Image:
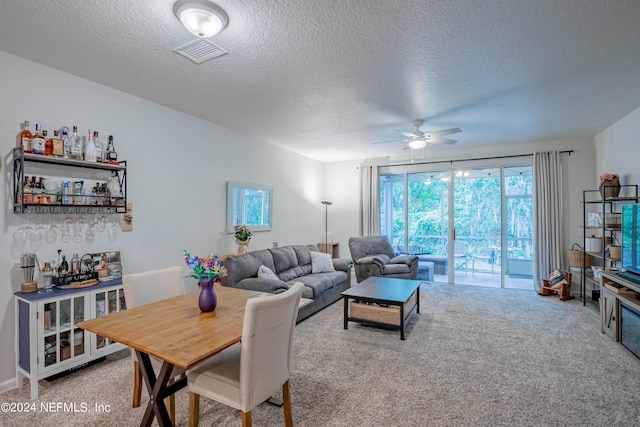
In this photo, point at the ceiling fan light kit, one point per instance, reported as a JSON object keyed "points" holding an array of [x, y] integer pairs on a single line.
{"points": [[201, 18], [417, 144]]}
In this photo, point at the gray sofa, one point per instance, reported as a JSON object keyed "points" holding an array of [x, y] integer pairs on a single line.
{"points": [[291, 264]]}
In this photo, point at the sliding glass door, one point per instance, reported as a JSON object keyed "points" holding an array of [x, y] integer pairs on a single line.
{"points": [[468, 226], [477, 225]]}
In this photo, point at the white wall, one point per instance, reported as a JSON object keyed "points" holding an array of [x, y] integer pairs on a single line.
{"points": [[178, 166], [617, 149]]}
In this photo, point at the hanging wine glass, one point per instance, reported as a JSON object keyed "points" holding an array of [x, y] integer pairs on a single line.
{"points": [[65, 235], [19, 238], [35, 240], [101, 223], [51, 235], [78, 227], [90, 234], [112, 234]]}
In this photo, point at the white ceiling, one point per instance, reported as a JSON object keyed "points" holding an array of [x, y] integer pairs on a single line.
{"points": [[326, 78]]}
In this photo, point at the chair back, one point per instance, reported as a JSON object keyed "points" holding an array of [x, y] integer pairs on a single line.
{"points": [[267, 336], [364, 246], [461, 248], [151, 286]]}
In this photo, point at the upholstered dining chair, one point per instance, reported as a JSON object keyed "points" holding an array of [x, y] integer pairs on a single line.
{"points": [[144, 288], [248, 373]]}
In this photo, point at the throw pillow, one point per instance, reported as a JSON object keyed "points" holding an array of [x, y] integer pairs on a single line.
{"points": [[321, 263], [265, 272], [556, 280]]}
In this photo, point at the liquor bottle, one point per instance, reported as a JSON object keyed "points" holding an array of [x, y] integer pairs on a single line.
{"points": [[48, 144], [66, 141], [90, 149], [99, 147], [57, 144], [24, 137], [27, 196], [64, 267], [65, 193], [39, 191], [37, 142], [75, 144], [112, 155]]}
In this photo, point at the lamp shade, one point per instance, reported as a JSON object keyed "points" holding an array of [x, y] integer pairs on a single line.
{"points": [[201, 18]]}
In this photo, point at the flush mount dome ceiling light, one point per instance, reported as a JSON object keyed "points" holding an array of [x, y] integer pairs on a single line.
{"points": [[201, 18]]}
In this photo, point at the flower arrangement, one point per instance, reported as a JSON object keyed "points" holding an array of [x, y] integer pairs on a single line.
{"points": [[205, 268], [608, 177], [242, 233]]}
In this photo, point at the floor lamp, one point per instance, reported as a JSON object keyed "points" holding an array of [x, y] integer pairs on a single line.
{"points": [[326, 224]]}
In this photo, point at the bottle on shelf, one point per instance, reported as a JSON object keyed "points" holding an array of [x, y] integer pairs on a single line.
{"points": [[48, 144], [39, 192], [99, 147], [66, 142], [27, 192], [57, 142], [114, 190], [75, 264], [75, 144], [90, 148], [25, 137], [65, 193], [112, 155], [37, 142]]}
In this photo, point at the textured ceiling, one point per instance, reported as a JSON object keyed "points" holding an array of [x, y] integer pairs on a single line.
{"points": [[326, 78]]}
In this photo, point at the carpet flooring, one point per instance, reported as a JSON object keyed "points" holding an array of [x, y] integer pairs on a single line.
{"points": [[474, 356]]}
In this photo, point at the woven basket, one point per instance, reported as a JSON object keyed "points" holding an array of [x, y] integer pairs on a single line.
{"points": [[578, 257]]}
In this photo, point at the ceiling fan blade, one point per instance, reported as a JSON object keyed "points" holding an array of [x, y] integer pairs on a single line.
{"points": [[410, 134], [445, 131], [391, 140], [439, 140]]}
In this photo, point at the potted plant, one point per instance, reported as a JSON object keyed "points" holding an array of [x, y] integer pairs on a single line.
{"points": [[609, 185], [243, 234]]}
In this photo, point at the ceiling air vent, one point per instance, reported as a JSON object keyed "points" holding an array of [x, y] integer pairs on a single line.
{"points": [[200, 50]]}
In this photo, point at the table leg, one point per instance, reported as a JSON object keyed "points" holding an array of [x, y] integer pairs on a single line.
{"points": [[158, 390], [346, 312], [402, 321], [418, 300]]}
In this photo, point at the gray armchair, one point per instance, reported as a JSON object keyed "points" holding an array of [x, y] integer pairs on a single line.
{"points": [[374, 256]]}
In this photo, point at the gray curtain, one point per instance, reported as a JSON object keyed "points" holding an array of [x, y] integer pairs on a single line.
{"points": [[369, 215], [547, 207]]}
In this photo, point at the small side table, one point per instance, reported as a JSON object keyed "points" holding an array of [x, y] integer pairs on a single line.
{"points": [[332, 248]]}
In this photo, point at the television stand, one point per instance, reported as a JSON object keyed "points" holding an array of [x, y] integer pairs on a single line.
{"points": [[621, 299], [631, 277]]}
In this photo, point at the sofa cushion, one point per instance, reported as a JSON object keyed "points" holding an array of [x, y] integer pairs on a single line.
{"points": [[320, 282], [263, 285], [242, 266], [321, 263], [284, 258], [265, 272]]}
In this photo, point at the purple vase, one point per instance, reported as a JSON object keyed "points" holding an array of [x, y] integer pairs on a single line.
{"points": [[208, 300]]}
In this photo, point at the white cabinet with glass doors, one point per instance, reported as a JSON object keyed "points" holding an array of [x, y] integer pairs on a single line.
{"points": [[47, 339]]}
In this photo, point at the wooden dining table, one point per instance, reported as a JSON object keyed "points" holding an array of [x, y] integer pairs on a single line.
{"points": [[175, 331]]}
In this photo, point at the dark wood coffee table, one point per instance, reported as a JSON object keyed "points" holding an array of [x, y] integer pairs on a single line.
{"points": [[382, 301]]}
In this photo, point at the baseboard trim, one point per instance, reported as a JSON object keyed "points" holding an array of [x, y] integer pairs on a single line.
{"points": [[7, 385]]}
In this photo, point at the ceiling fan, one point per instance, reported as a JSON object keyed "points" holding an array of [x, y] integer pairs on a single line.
{"points": [[418, 139]]}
